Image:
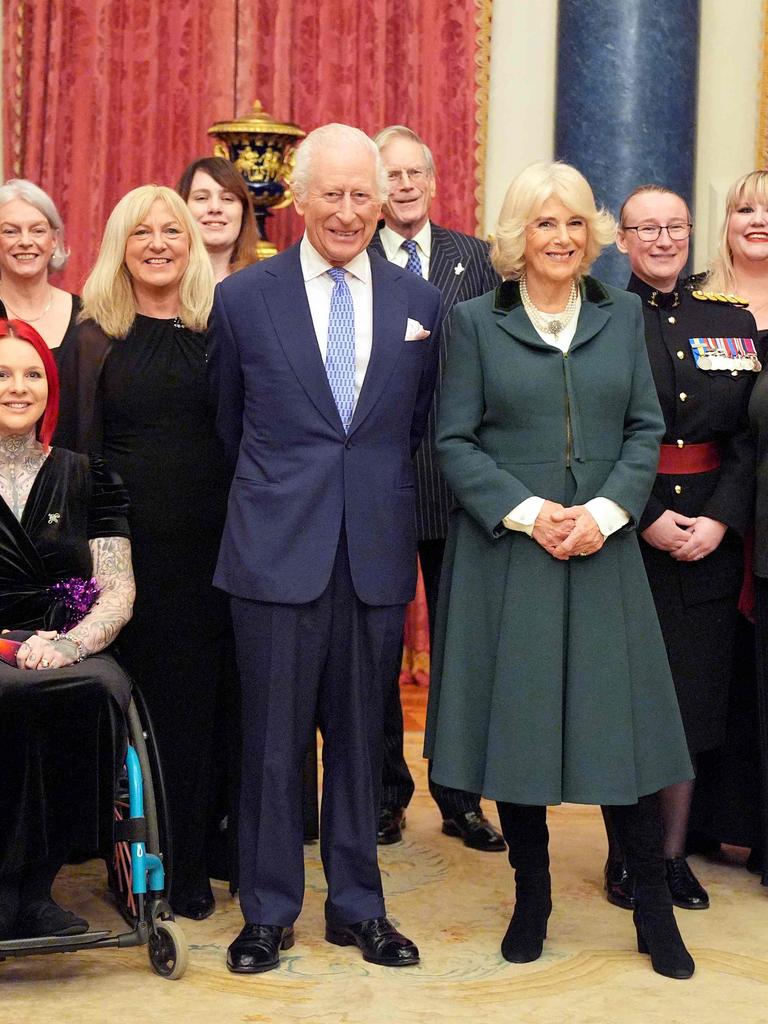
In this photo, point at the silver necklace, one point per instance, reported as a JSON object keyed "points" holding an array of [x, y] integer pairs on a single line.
{"points": [[29, 319], [540, 319]]}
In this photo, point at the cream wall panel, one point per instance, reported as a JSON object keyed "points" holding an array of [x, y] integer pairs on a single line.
{"points": [[729, 102], [521, 120]]}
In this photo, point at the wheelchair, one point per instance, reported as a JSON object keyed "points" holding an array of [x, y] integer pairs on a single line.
{"points": [[138, 873]]}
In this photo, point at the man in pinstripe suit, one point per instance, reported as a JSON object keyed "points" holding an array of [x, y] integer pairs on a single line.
{"points": [[458, 265]]}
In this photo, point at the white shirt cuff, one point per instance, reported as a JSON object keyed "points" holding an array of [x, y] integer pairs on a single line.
{"points": [[523, 516], [609, 516]]}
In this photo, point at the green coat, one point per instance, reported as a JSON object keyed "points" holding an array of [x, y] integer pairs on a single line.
{"points": [[550, 679]]}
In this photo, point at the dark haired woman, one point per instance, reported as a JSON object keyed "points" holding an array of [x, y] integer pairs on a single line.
{"points": [[218, 200]]}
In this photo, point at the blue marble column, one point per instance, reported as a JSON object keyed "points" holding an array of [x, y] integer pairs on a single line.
{"points": [[626, 99]]}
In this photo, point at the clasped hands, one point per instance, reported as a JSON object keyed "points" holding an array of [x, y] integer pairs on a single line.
{"points": [[685, 538], [41, 652], [564, 532]]}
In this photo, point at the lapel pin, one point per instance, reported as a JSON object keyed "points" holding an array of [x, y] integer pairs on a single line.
{"points": [[53, 517], [458, 269]]}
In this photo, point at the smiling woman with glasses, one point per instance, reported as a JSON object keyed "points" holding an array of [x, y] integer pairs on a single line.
{"points": [[703, 357]]}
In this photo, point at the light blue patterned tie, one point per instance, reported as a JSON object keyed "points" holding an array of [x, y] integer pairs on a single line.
{"points": [[414, 263], [340, 354]]}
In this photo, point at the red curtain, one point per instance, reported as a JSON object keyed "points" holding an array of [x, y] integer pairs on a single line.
{"points": [[101, 95]]}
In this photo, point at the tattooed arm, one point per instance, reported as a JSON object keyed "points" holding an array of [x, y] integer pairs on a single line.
{"points": [[114, 574], [114, 605]]}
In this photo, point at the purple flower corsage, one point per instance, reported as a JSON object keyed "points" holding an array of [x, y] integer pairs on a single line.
{"points": [[77, 595]]}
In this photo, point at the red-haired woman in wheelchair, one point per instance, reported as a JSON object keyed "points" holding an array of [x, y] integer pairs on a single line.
{"points": [[66, 590]]}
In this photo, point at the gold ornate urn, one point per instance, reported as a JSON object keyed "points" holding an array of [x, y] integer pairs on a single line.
{"points": [[263, 151]]}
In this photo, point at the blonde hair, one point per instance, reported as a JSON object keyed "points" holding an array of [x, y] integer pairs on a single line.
{"points": [[525, 197], [108, 293], [752, 187]]}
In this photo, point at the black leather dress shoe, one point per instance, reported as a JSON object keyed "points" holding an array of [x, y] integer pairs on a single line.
{"points": [[476, 831], [257, 948], [619, 887], [43, 917], [377, 939], [391, 825], [686, 891]]}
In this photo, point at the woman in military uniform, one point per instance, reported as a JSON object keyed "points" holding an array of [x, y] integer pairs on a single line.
{"points": [[701, 347], [550, 681]]}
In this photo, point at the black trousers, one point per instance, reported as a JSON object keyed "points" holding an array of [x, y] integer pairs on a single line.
{"points": [[396, 780], [321, 662]]}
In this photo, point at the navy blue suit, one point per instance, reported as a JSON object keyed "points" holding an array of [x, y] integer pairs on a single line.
{"points": [[319, 555]]}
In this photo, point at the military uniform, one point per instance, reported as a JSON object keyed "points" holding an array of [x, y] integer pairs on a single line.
{"points": [[700, 348]]}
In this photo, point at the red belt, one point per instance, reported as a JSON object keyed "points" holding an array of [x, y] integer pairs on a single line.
{"points": [[693, 458]]}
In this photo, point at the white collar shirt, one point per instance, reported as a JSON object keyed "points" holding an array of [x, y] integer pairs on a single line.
{"points": [[392, 243]]}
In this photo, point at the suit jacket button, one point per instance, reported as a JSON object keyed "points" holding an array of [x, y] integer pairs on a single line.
{"points": [[348, 445], [683, 396], [680, 354], [678, 489]]}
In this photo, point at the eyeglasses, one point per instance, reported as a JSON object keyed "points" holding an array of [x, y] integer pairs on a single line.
{"points": [[650, 232], [414, 174]]}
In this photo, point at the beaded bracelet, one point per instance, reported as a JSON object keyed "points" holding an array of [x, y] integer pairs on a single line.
{"points": [[73, 640]]}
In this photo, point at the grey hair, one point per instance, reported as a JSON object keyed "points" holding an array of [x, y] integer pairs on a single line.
{"points": [[400, 131], [20, 188], [331, 135]]}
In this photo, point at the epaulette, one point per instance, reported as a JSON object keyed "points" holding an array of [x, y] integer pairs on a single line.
{"points": [[730, 300]]}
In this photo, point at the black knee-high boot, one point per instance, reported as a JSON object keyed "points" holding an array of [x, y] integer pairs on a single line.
{"points": [[525, 830], [641, 835]]}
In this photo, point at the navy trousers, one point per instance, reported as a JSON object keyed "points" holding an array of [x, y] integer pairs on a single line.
{"points": [[324, 663]]}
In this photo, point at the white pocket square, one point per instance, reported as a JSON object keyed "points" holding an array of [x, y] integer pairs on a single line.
{"points": [[414, 331]]}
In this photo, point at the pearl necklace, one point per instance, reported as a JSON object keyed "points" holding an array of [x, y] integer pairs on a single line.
{"points": [[29, 319], [540, 319]]}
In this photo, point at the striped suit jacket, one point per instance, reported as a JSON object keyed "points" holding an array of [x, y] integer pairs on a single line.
{"points": [[460, 267]]}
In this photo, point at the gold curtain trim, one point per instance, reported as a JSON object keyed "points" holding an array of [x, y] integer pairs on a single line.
{"points": [[762, 125], [17, 50], [482, 83]]}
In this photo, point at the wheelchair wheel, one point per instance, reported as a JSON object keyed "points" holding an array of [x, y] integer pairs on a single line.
{"points": [[168, 950]]}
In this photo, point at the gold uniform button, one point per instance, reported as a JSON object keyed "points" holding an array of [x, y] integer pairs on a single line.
{"points": [[683, 396], [678, 489], [680, 442], [734, 373], [680, 354], [671, 320]]}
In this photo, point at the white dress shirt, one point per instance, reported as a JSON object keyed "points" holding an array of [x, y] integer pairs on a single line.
{"points": [[609, 516], [392, 243], [318, 285]]}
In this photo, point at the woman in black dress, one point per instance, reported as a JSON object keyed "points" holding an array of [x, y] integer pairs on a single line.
{"points": [[66, 589], [134, 386], [32, 247], [733, 804]]}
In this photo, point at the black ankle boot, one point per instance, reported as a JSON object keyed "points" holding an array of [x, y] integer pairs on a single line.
{"points": [[639, 829], [527, 929], [658, 934]]}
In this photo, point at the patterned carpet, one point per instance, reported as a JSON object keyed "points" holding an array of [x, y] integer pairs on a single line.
{"points": [[455, 903]]}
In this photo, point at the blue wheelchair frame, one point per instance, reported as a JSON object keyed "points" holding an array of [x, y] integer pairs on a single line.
{"points": [[154, 923]]}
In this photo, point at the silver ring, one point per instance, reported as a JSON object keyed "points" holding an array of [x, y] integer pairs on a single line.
{"points": [[45, 663]]}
